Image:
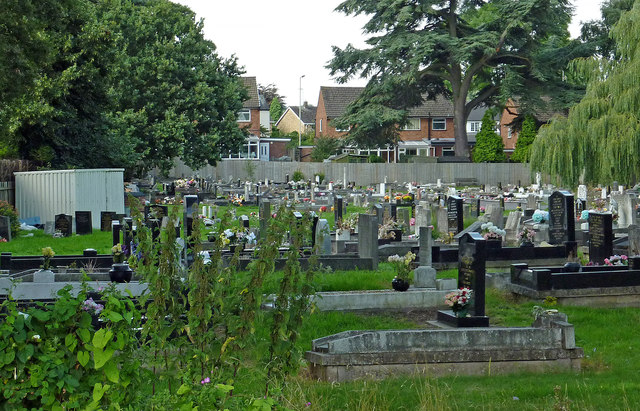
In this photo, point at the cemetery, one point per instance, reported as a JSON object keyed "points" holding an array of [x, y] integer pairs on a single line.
{"points": [[454, 246]]}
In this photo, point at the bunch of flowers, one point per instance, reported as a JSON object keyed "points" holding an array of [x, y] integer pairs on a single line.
{"points": [[92, 307], [402, 265], [599, 204], [47, 255], [3, 240], [386, 230], [540, 216], [526, 235], [492, 232], [407, 198], [235, 236], [237, 200], [185, 183], [118, 252], [617, 260], [459, 299], [323, 209]]}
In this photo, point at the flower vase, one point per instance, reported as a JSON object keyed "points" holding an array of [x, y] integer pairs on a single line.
{"points": [[399, 284], [120, 273], [461, 312], [526, 244]]}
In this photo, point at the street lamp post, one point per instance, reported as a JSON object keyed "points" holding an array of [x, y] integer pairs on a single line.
{"points": [[300, 114]]}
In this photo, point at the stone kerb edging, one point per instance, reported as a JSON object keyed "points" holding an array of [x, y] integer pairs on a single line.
{"points": [[380, 300], [547, 345]]}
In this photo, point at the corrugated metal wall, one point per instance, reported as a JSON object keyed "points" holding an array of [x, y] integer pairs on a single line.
{"points": [[47, 193], [366, 174]]}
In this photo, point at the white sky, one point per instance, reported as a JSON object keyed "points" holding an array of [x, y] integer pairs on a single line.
{"points": [[278, 41]]}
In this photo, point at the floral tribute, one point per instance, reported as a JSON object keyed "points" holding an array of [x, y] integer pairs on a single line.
{"points": [[118, 252], [617, 260], [186, 183], [492, 232], [47, 255], [459, 300], [527, 235], [402, 265]]}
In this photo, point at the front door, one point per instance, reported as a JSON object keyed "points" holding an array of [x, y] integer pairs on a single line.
{"points": [[264, 151]]}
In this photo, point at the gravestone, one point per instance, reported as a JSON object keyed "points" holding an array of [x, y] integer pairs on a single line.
{"points": [[472, 256], [158, 211], [404, 218], [127, 234], [454, 214], [116, 228], [379, 211], [425, 243], [337, 208], [323, 237], [442, 218], [496, 215], [625, 209], [634, 240], [474, 208], [106, 217], [562, 224], [49, 227], [244, 220], [423, 217], [600, 237], [582, 192], [512, 226], [264, 216], [393, 210], [83, 222], [5, 228], [63, 224], [531, 202], [368, 238]]}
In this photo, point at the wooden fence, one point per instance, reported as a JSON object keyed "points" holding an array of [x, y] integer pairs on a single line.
{"points": [[6, 192]]}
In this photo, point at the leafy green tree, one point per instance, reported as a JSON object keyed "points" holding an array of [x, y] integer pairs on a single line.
{"points": [[115, 83], [525, 139], [596, 32], [599, 141], [325, 147], [275, 109], [489, 147], [471, 51]]}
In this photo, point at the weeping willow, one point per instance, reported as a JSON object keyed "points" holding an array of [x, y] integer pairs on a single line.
{"points": [[599, 141]]}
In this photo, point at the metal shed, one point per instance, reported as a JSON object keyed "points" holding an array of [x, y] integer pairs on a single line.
{"points": [[47, 193]]}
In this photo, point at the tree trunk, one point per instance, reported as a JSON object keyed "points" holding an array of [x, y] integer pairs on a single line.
{"points": [[460, 127]]}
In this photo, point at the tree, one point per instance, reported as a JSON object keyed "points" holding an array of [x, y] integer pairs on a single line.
{"points": [[275, 109], [270, 92], [599, 141], [471, 51], [124, 84], [325, 147], [596, 33], [489, 147], [525, 139]]}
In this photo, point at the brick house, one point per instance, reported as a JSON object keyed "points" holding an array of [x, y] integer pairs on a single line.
{"points": [[254, 116], [290, 120], [509, 132], [429, 132]]}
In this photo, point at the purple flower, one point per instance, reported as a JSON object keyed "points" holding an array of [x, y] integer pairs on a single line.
{"points": [[205, 381]]}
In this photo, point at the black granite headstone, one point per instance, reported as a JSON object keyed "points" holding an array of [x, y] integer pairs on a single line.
{"points": [[63, 224], [337, 208], [106, 217], [474, 207], [244, 220], [472, 256], [116, 228], [83, 222], [600, 237], [562, 225], [127, 234], [454, 214], [5, 228]]}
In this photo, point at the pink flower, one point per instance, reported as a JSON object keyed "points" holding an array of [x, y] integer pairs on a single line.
{"points": [[205, 381], [412, 221]]}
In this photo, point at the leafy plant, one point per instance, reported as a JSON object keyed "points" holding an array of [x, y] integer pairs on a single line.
{"points": [[10, 211], [298, 176]]}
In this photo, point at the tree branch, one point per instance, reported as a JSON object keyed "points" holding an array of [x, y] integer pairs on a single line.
{"points": [[486, 93]]}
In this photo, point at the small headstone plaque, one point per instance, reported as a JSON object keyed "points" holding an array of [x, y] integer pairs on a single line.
{"points": [[63, 224], [106, 217], [562, 223], [600, 237], [83, 222], [337, 208]]}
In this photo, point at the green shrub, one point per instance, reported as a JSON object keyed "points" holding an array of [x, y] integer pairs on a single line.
{"points": [[298, 176], [10, 211], [375, 159]]}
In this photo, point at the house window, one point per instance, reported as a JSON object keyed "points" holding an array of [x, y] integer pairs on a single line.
{"points": [[244, 115], [412, 152], [509, 132], [447, 151], [439, 124], [320, 126], [474, 126], [413, 124], [342, 129]]}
